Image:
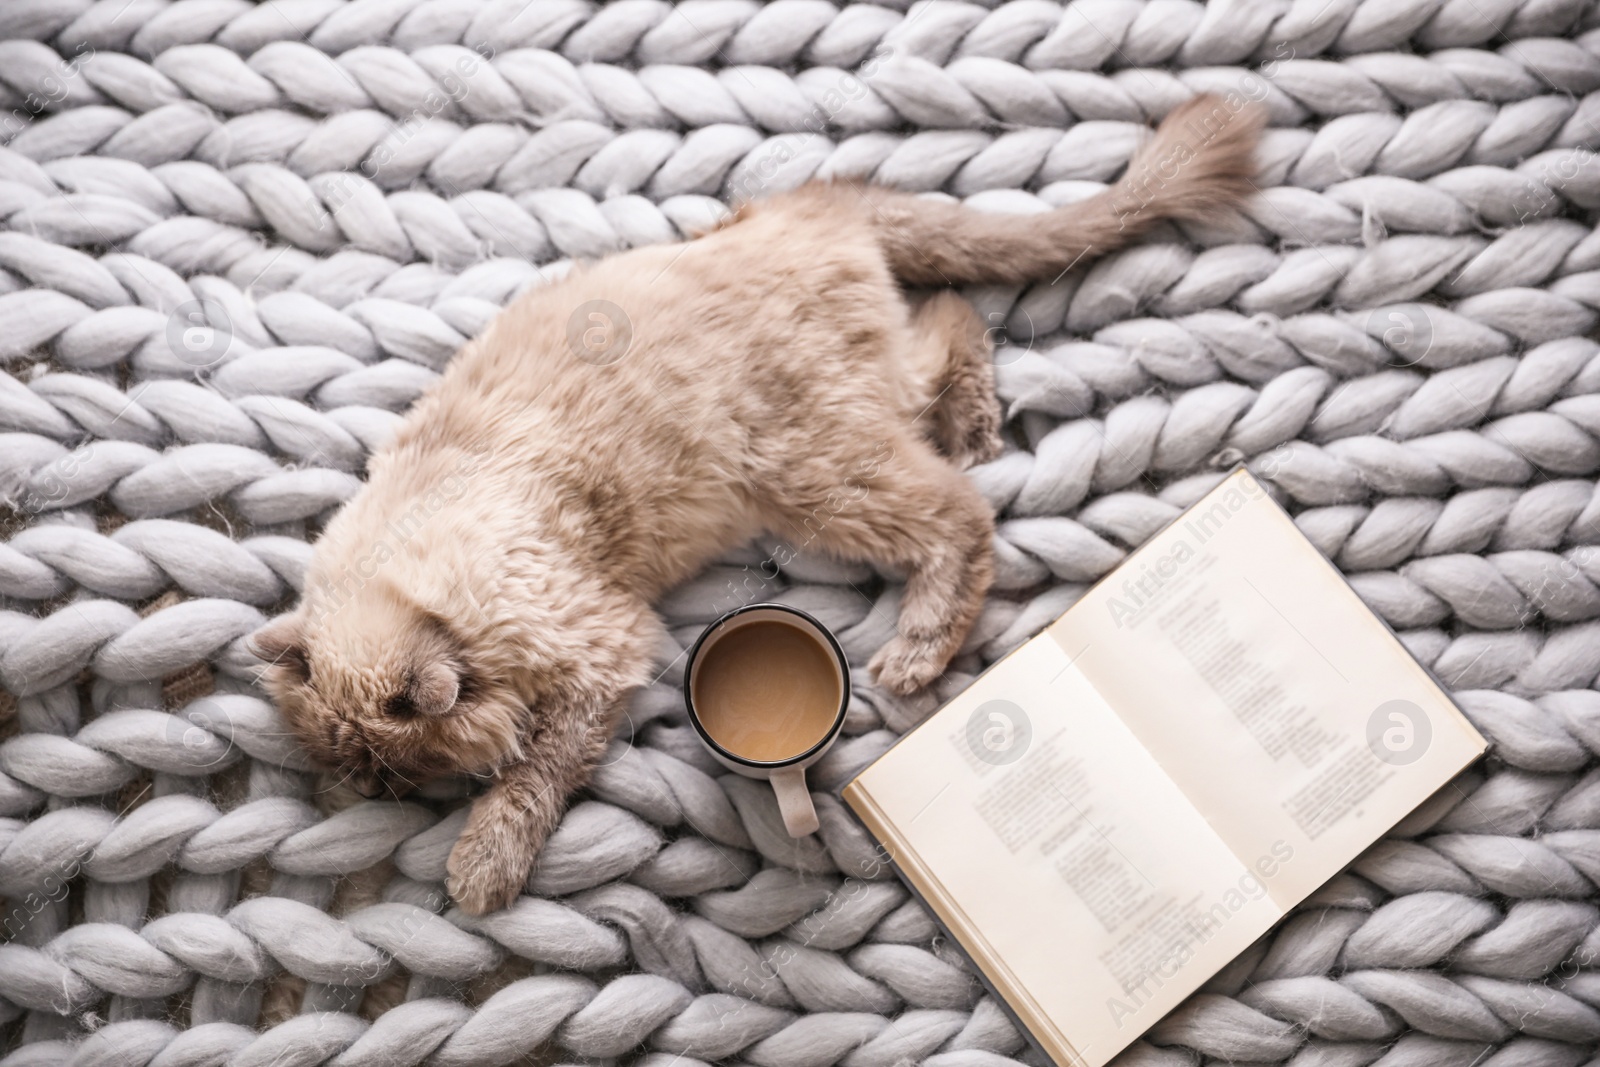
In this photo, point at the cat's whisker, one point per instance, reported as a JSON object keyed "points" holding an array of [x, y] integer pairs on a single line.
{"points": [[348, 775]]}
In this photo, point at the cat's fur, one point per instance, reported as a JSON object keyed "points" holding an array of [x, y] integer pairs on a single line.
{"points": [[484, 604]]}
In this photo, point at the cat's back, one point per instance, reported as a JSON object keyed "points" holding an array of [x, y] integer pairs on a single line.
{"points": [[676, 349], [609, 401]]}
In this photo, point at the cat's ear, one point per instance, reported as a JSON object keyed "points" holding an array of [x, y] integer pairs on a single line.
{"points": [[281, 643], [434, 688]]}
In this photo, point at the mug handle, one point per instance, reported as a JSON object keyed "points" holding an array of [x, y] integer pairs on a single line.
{"points": [[794, 801]]}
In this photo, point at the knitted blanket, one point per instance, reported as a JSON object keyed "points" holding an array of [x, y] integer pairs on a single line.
{"points": [[239, 240]]}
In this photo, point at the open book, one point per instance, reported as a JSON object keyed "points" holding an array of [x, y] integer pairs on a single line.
{"points": [[1110, 814]]}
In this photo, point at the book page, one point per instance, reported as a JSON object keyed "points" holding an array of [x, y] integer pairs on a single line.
{"points": [[1284, 710], [1068, 863]]}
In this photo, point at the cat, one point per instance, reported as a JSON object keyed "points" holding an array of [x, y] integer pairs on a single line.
{"points": [[483, 604]]}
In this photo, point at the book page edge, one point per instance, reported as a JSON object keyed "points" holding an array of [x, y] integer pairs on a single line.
{"points": [[1009, 994]]}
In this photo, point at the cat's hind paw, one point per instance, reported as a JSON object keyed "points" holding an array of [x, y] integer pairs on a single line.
{"points": [[903, 666]]}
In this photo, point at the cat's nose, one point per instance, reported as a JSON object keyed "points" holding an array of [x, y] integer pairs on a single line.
{"points": [[370, 788]]}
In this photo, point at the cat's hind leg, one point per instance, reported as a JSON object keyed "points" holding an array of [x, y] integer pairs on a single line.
{"points": [[909, 509], [962, 414]]}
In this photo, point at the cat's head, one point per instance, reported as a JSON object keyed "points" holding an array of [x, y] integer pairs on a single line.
{"points": [[386, 694]]}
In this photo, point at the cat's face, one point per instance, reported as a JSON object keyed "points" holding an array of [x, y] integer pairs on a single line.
{"points": [[387, 696]]}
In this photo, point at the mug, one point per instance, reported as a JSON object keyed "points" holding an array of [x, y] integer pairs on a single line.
{"points": [[787, 775]]}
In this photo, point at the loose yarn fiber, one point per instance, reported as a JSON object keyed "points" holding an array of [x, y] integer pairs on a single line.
{"points": [[239, 239]]}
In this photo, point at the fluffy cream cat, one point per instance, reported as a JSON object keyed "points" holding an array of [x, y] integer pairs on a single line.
{"points": [[484, 603]]}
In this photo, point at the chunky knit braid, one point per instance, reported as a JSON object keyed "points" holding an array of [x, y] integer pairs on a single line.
{"points": [[238, 240]]}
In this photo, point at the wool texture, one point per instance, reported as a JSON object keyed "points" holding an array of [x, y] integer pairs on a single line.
{"points": [[239, 239]]}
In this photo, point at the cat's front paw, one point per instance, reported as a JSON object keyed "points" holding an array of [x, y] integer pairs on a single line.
{"points": [[487, 869], [904, 665]]}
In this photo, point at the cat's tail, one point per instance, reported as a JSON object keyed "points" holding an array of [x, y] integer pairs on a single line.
{"points": [[1200, 159]]}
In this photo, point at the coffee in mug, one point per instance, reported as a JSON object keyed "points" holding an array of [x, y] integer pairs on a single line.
{"points": [[768, 691], [767, 687]]}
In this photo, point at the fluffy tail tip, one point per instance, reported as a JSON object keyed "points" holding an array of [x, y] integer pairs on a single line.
{"points": [[1201, 159]]}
